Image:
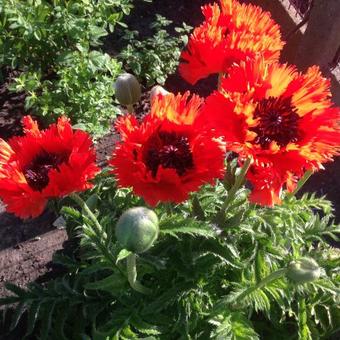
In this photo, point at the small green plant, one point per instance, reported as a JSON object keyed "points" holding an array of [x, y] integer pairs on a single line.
{"points": [[154, 58], [200, 280], [82, 88], [51, 44], [33, 34]]}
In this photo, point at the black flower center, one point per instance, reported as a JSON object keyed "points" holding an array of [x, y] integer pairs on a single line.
{"points": [[170, 150], [36, 172], [278, 122]]}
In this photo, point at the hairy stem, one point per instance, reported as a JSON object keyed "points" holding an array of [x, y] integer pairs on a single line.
{"points": [[197, 209], [132, 276], [268, 279], [302, 320], [87, 210], [100, 235], [219, 218]]}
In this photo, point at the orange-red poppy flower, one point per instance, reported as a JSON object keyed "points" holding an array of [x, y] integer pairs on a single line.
{"points": [[166, 156], [283, 119], [230, 33], [44, 164]]}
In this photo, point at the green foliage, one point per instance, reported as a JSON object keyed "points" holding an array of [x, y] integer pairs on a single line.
{"points": [[178, 225], [155, 57], [34, 33], [81, 88], [232, 325], [208, 281], [51, 43]]}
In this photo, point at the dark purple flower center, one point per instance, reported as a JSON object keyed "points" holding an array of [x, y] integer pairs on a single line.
{"points": [[170, 150], [36, 172], [277, 122]]}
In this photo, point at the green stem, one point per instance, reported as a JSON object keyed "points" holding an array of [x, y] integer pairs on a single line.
{"points": [[301, 183], [88, 211], [237, 299], [132, 275], [168, 208], [219, 218], [271, 277], [302, 320], [100, 235], [197, 209]]}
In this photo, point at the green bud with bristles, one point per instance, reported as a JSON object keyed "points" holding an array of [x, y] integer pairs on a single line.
{"points": [[127, 89], [303, 270], [137, 229]]}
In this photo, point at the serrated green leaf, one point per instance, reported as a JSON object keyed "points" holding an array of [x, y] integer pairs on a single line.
{"points": [[189, 226], [20, 292], [114, 283], [233, 326], [19, 310], [33, 312], [144, 327], [46, 321]]}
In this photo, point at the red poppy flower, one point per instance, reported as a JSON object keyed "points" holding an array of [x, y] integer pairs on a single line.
{"points": [[44, 164], [230, 33], [281, 118], [166, 156]]}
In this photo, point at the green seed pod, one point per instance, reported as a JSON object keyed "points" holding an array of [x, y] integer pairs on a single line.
{"points": [[303, 270], [127, 89], [137, 229]]}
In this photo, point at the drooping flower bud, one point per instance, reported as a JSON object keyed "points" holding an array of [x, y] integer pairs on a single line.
{"points": [[137, 229], [303, 270], [127, 89]]}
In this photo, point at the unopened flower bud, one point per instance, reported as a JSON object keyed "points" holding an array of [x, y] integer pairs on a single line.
{"points": [[137, 229], [303, 270], [157, 90], [127, 89]]}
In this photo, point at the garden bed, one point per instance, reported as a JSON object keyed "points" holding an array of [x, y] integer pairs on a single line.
{"points": [[18, 234], [27, 247]]}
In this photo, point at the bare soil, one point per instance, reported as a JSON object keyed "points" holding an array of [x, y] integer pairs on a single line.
{"points": [[30, 260], [11, 106]]}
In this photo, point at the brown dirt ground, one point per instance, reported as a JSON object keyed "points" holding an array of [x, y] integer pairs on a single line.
{"points": [[11, 107]]}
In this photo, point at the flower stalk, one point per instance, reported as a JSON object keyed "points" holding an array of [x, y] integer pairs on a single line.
{"points": [[132, 276], [197, 209], [100, 235], [302, 319], [268, 279], [219, 218], [88, 212], [131, 260]]}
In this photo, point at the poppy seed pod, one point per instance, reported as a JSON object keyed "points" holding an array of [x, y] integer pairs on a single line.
{"points": [[127, 89], [303, 270], [137, 229]]}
